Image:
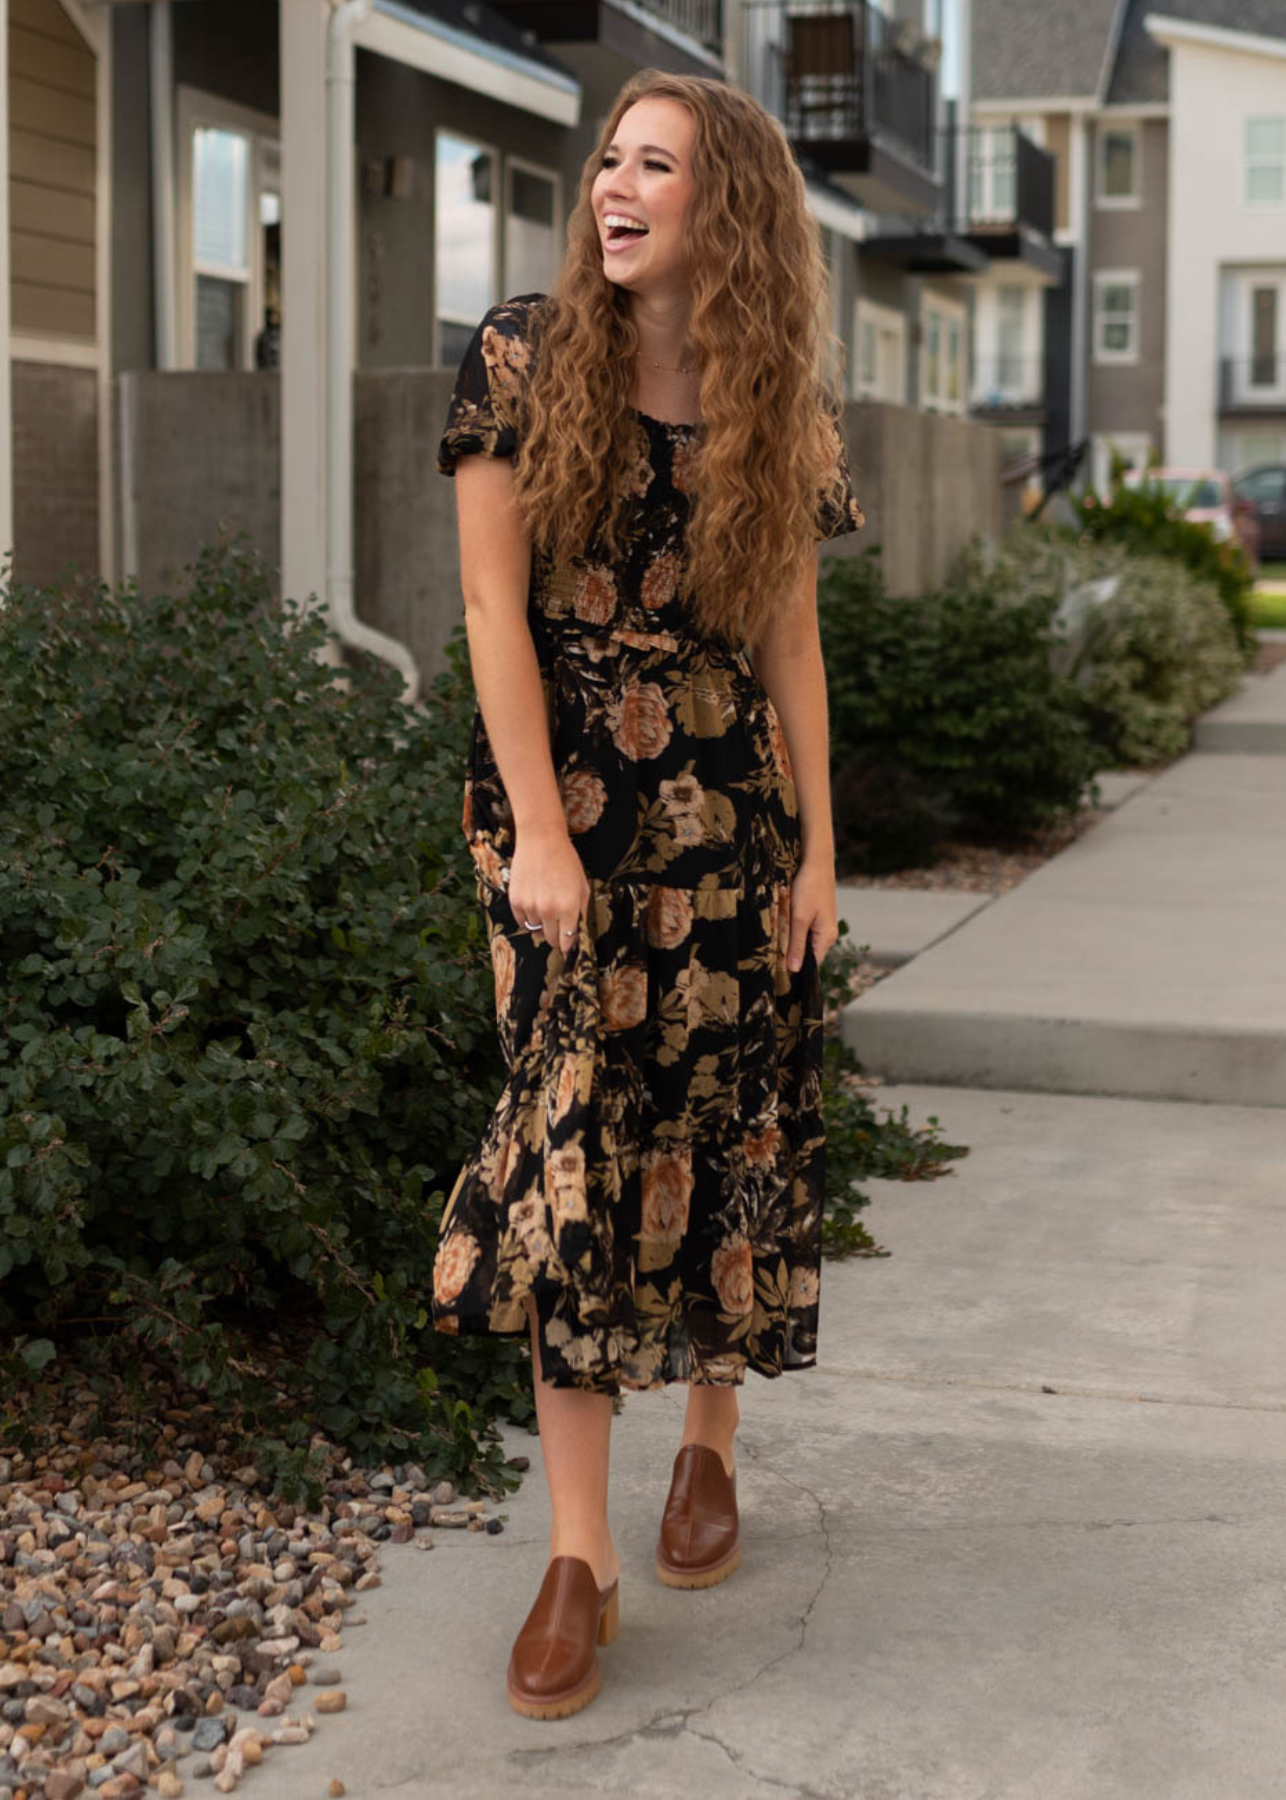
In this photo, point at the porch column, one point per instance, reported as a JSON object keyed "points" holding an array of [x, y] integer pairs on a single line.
{"points": [[303, 298], [6, 386]]}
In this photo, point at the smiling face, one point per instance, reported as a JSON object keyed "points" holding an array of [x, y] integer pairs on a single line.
{"points": [[646, 180]]}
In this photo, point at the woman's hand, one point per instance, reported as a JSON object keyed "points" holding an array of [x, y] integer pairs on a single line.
{"points": [[812, 910], [547, 882]]}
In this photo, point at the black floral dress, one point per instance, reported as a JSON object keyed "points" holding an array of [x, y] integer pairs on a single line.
{"points": [[653, 1170]]}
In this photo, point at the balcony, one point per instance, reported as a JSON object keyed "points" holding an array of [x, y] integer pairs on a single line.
{"points": [[856, 93], [681, 36], [1008, 389], [1009, 195], [1252, 384]]}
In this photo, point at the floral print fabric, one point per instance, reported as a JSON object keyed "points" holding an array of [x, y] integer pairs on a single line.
{"points": [[653, 1170]]}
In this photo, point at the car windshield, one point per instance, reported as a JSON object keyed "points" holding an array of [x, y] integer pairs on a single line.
{"points": [[1185, 490]]}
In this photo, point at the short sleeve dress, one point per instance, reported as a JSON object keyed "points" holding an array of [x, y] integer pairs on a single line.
{"points": [[653, 1170]]}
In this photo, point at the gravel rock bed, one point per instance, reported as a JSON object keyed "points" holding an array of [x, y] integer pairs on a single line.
{"points": [[162, 1619]]}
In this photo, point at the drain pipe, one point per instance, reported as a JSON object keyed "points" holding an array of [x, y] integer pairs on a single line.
{"points": [[340, 122]]}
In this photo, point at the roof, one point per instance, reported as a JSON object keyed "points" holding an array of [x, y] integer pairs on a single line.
{"points": [[1142, 70], [1030, 50]]}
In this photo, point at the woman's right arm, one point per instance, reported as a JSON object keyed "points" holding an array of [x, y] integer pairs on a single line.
{"points": [[546, 877]]}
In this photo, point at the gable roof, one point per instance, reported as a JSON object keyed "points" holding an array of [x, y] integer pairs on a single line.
{"points": [[1142, 70], [1030, 49]]}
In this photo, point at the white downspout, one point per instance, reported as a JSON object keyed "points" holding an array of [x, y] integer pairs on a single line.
{"points": [[160, 45], [340, 132]]}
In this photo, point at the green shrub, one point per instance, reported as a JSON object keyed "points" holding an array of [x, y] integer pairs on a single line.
{"points": [[1153, 658], [955, 697], [248, 1014], [1146, 520]]}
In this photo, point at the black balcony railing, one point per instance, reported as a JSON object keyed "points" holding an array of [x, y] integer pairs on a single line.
{"points": [[701, 19], [1253, 383], [1008, 180], [840, 72]]}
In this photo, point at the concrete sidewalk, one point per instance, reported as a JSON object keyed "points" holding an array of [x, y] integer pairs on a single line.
{"points": [[1147, 959], [1019, 1533], [1253, 720]]}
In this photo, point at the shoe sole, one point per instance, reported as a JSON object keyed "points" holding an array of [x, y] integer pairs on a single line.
{"points": [[699, 1578], [561, 1706]]}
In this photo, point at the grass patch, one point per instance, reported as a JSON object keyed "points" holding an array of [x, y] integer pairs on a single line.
{"points": [[1273, 572], [1269, 610]]}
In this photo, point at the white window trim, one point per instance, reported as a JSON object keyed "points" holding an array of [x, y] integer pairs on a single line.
{"points": [[1115, 278], [196, 107], [1261, 162], [1104, 201], [947, 310], [512, 162], [883, 318]]}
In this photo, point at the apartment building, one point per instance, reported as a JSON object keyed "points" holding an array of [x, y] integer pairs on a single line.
{"points": [[1167, 122]]}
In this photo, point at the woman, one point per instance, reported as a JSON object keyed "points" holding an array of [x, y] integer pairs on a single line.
{"points": [[645, 459]]}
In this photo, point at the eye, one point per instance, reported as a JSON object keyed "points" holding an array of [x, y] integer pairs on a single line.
{"points": [[651, 163]]}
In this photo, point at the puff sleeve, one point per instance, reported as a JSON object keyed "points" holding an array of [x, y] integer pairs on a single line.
{"points": [[484, 412], [838, 510]]}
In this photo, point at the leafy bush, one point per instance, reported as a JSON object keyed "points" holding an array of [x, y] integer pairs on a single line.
{"points": [[249, 1027], [1146, 520], [1154, 657], [954, 700], [1149, 645], [248, 1015]]}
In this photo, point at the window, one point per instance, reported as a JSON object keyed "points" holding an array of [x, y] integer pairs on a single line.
{"points": [[466, 264], [1116, 316], [531, 228], [1266, 161], [879, 368], [1118, 165], [942, 356], [1263, 337], [1011, 310], [485, 249], [1266, 487], [229, 234], [993, 172]]}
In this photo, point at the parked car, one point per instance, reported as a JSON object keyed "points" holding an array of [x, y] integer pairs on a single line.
{"points": [[1207, 497], [1264, 487]]}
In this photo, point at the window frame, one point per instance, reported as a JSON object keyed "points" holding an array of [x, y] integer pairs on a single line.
{"points": [[511, 160], [1127, 128], [947, 313], [880, 318], [497, 231], [1116, 278], [196, 107]]}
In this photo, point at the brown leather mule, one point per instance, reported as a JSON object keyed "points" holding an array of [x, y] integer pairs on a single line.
{"points": [[700, 1541], [554, 1668]]}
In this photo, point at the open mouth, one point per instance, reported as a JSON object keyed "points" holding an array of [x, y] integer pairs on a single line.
{"points": [[620, 231]]}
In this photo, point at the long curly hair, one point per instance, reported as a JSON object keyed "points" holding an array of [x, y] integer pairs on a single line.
{"points": [[769, 404]]}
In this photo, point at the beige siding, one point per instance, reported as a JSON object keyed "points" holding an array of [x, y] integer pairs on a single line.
{"points": [[1058, 142], [53, 122]]}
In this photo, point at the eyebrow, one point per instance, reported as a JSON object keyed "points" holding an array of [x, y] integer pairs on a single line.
{"points": [[658, 147]]}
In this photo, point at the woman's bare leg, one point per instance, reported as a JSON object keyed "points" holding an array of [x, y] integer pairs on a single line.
{"points": [[712, 1418], [575, 1438]]}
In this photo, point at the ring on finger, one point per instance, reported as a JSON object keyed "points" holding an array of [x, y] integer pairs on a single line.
{"points": [[533, 925]]}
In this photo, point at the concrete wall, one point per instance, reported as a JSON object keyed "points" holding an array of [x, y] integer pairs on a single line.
{"points": [[205, 457], [55, 472]]}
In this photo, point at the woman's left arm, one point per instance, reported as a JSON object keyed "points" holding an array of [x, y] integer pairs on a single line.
{"points": [[787, 658]]}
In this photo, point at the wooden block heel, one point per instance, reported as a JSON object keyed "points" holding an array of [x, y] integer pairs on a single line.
{"points": [[610, 1622]]}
